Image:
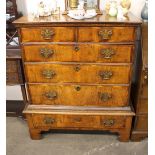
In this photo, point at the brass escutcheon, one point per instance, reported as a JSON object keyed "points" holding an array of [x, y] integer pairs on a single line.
{"points": [[76, 48], [46, 53], [77, 88], [107, 53], [105, 75], [47, 34], [77, 68], [105, 34]]}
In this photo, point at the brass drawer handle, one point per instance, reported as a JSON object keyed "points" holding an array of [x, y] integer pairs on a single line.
{"points": [[105, 34], [107, 53], [105, 75], [77, 88], [108, 123], [76, 48], [48, 120], [50, 95], [105, 96], [46, 53], [47, 34], [77, 68], [48, 74]]}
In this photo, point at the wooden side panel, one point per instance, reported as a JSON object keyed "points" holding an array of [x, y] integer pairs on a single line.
{"points": [[85, 73], [78, 53], [141, 123], [118, 34], [142, 107], [48, 34], [81, 95]]}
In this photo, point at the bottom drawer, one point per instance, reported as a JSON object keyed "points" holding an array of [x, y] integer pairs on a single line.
{"points": [[75, 121]]}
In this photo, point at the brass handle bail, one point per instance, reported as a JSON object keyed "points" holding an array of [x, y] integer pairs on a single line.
{"points": [[47, 34], [46, 53], [105, 96], [48, 74], [107, 53], [108, 123], [105, 34], [105, 75], [50, 95]]}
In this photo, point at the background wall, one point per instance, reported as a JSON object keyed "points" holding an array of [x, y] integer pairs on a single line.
{"points": [[27, 6]]}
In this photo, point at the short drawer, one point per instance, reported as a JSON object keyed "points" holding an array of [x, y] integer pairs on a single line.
{"points": [[80, 95], [78, 53], [75, 121], [48, 34], [106, 34], [141, 122], [85, 73]]}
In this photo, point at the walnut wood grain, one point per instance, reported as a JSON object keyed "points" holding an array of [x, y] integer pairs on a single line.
{"points": [[85, 53], [75, 73], [61, 34], [141, 123], [119, 34], [83, 121], [68, 95], [64, 20], [74, 52]]}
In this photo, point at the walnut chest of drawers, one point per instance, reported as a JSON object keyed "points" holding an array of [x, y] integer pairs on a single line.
{"points": [[78, 73]]}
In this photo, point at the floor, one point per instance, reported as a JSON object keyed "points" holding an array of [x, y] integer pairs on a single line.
{"points": [[19, 143]]}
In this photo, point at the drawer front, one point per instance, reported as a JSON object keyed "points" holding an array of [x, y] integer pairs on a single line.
{"points": [[48, 34], [74, 121], [106, 34], [11, 66], [142, 106], [12, 78], [78, 73], [141, 122], [80, 95], [79, 53]]}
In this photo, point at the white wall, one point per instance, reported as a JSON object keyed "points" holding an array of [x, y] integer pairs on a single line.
{"points": [[26, 6]]}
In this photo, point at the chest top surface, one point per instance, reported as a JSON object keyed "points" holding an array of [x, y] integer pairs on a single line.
{"points": [[67, 21]]}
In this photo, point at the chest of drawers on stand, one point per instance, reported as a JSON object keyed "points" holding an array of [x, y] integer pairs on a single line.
{"points": [[78, 73]]}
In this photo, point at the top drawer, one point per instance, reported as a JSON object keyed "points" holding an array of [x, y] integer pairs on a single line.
{"points": [[79, 34], [48, 34], [106, 34]]}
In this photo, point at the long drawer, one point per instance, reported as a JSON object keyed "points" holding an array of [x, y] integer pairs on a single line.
{"points": [[80, 95], [75, 121], [80, 34], [78, 53], [81, 73]]}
